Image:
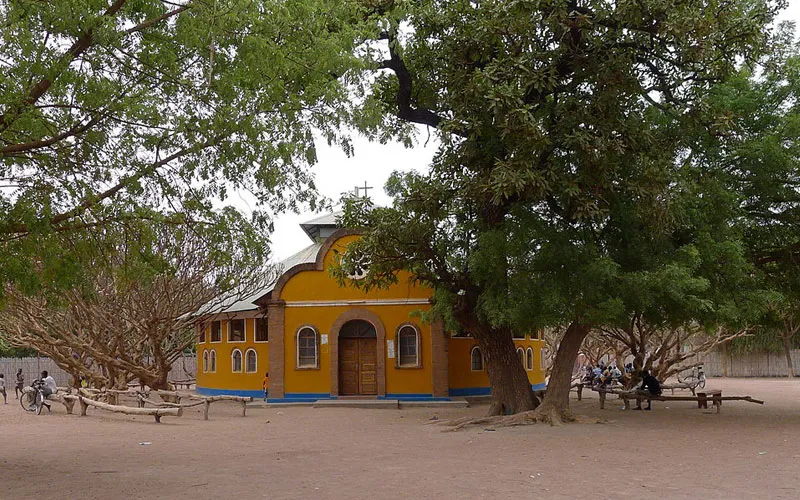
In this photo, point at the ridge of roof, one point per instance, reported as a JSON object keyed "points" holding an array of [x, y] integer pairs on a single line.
{"points": [[304, 256]]}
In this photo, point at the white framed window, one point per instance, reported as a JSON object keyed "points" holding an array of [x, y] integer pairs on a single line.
{"points": [[476, 359], [517, 335], [216, 331], [236, 361], [205, 361], [541, 359], [521, 356], [236, 330], [261, 330], [212, 361], [201, 337], [250, 361], [307, 352], [529, 359], [408, 346]]}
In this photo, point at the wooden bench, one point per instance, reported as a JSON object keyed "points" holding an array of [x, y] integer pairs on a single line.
{"points": [[679, 386], [716, 397]]}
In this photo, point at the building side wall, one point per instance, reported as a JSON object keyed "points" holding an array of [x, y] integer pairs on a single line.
{"points": [[465, 382], [224, 380]]}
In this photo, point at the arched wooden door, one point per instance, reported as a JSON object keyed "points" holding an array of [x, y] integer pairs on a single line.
{"points": [[358, 359]]}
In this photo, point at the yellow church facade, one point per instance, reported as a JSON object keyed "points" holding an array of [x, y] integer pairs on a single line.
{"points": [[319, 340]]}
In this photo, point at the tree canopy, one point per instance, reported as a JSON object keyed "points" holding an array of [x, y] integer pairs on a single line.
{"points": [[126, 112], [557, 120]]}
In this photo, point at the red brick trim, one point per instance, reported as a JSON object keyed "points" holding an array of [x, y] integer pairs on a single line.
{"points": [[277, 357], [439, 362], [333, 342]]}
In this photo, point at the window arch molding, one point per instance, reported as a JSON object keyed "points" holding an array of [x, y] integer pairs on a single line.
{"points": [[250, 361], [236, 361], [205, 361], [476, 359], [408, 342], [306, 348], [521, 356], [529, 359]]}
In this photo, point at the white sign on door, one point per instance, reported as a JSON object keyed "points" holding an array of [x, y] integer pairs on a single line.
{"points": [[323, 338]]}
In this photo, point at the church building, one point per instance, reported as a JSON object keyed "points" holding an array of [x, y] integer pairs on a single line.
{"points": [[319, 340]]}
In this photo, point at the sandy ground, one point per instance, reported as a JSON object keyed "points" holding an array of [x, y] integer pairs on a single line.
{"points": [[675, 451]]}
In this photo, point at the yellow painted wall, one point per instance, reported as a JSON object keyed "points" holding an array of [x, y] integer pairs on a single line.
{"points": [[318, 285], [461, 375], [398, 380], [224, 377]]}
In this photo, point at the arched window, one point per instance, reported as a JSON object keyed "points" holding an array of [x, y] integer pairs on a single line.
{"points": [[521, 355], [250, 361], [236, 361], [307, 354], [205, 361], [408, 346], [476, 359], [529, 359], [542, 357], [213, 361]]}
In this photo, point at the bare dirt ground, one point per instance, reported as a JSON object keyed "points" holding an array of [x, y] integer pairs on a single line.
{"points": [[675, 451]]}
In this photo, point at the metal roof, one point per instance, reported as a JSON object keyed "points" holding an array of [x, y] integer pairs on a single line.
{"points": [[231, 305]]}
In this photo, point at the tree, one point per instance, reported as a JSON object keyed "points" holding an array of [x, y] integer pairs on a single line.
{"points": [[754, 152], [156, 111], [136, 316], [545, 111]]}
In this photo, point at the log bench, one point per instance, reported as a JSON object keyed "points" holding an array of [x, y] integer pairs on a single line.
{"points": [[68, 400], [157, 413], [172, 399], [716, 397]]}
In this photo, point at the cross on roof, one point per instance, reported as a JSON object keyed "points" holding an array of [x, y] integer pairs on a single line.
{"points": [[365, 188]]}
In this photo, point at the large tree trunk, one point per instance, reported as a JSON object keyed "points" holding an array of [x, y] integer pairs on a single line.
{"points": [[555, 406], [787, 348], [511, 389]]}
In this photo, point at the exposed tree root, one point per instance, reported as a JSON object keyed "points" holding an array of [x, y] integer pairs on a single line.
{"points": [[544, 415]]}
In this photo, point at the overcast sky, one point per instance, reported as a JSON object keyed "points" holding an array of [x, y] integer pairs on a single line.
{"points": [[335, 173]]}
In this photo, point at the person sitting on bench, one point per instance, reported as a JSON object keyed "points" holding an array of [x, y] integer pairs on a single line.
{"points": [[650, 385]]}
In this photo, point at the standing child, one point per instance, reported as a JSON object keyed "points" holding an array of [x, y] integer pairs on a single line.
{"points": [[3, 388], [266, 385], [20, 383]]}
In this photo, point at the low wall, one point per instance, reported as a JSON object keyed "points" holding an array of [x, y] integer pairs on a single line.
{"points": [[184, 368], [767, 364]]}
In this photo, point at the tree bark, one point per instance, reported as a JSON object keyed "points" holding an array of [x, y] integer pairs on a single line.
{"points": [[556, 399], [509, 382]]}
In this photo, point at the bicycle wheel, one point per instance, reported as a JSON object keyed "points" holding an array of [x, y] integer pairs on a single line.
{"points": [[39, 402], [702, 383], [26, 400], [691, 380]]}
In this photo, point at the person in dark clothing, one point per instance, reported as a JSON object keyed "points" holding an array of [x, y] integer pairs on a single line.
{"points": [[651, 385]]}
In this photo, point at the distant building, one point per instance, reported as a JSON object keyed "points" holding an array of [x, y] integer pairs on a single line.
{"points": [[318, 340]]}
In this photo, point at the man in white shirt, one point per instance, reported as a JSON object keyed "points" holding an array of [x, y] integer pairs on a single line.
{"points": [[50, 386]]}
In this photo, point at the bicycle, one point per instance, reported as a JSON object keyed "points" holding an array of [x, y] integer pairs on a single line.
{"points": [[696, 378], [34, 400]]}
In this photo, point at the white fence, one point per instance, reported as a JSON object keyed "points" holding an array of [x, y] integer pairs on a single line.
{"points": [[772, 364], [182, 369]]}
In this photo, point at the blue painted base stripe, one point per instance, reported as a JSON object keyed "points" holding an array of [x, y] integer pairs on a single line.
{"points": [[207, 391], [470, 391], [485, 391]]}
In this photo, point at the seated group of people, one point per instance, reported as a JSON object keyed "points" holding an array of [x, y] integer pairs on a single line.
{"points": [[602, 375]]}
